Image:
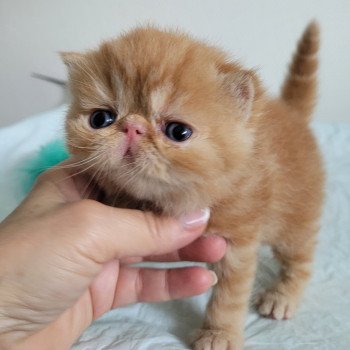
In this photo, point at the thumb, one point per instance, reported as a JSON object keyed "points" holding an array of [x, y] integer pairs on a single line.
{"points": [[108, 233]]}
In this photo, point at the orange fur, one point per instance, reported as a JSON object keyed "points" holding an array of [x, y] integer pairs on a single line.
{"points": [[252, 159]]}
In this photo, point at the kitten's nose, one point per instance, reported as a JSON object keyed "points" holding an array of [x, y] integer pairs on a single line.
{"points": [[134, 129]]}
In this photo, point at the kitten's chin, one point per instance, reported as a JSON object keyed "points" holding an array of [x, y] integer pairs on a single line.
{"points": [[155, 196]]}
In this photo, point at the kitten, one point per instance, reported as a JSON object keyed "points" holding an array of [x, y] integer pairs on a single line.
{"points": [[166, 123]]}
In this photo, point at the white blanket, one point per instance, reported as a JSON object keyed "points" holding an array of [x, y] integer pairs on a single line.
{"points": [[323, 320]]}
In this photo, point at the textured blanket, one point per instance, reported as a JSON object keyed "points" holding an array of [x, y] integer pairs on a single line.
{"points": [[322, 321]]}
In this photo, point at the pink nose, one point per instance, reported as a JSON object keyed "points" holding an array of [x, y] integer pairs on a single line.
{"points": [[134, 129]]}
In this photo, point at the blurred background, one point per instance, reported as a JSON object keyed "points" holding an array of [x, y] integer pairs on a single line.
{"points": [[261, 34]]}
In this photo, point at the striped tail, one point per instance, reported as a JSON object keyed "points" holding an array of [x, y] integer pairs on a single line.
{"points": [[300, 87]]}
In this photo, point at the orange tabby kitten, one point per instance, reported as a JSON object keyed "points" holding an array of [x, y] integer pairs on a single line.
{"points": [[166, 123]]}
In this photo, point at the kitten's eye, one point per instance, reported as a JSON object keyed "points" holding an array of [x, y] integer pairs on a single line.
{"points": [[102, 118], [177, 131]]}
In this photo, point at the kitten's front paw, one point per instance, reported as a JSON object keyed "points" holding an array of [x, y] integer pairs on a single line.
{"points": [[207, 339], [277, 305]]}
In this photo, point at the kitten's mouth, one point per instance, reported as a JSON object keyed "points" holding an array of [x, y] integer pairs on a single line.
{"points": [[128, 153], [129, 149]]}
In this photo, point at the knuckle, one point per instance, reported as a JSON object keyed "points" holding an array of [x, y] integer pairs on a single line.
{"points": [[154, 227], [88, 206], [167, 289], [43, 178], [139, 285], [46, 177], [161, 230]]}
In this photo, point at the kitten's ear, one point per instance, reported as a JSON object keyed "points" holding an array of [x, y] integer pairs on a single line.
{"points": [[240, 86], [73, 59]]}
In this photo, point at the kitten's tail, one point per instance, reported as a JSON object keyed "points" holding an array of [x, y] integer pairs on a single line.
{"points": [[300, 87]]}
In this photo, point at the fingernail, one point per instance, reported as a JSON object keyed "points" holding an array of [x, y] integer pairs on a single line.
{"points": [[215, 278], [197, 218]]}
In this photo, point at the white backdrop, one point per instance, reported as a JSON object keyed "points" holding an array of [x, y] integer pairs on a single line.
{"points": [[261, 33]]}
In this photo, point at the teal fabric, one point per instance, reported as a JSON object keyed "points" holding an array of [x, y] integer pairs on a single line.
{"points": [[47, 157]]}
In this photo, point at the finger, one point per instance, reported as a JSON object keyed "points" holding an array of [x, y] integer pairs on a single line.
{"points": [[204, 249], [109, 232], [102, 288], [152, 285], [53, 188], [66, 182], [103, 233]]}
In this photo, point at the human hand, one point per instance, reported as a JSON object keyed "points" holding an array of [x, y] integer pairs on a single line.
{"points": [[63, 262]]}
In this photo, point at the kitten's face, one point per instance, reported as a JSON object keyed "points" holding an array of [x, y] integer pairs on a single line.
{"points": [[161, 117]]}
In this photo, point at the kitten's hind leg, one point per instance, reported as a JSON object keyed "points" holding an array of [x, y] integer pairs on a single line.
{"points": [[295, 255]]}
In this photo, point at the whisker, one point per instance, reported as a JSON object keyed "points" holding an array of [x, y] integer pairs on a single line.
{"points": [[84, 192], [79, 172], [82, 147], [78, 163]]}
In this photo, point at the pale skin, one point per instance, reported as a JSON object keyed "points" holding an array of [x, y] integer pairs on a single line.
{"points": [[63, 262]]}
